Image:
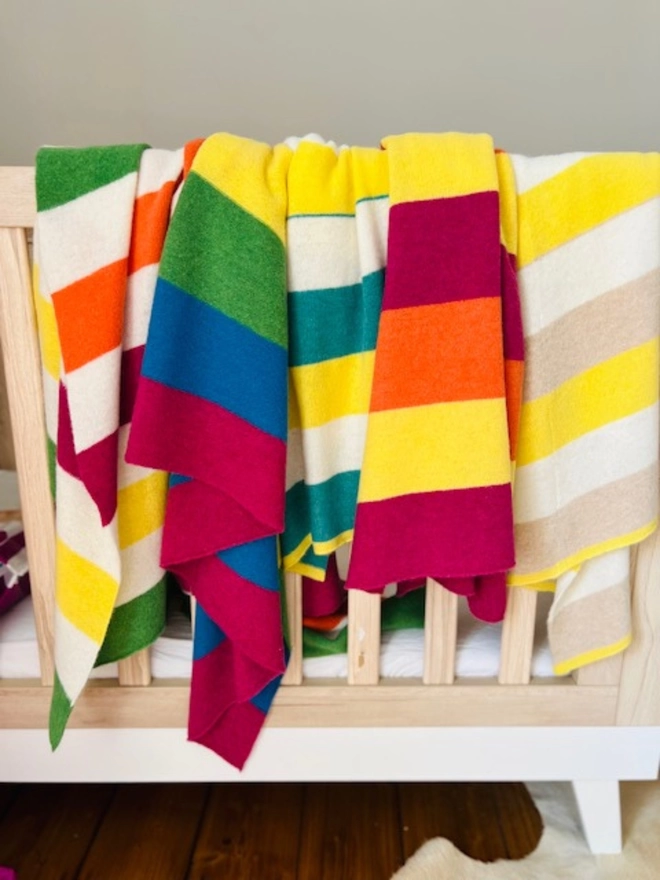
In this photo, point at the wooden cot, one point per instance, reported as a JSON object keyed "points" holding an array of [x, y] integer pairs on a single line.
{"points": [[594, 728]]}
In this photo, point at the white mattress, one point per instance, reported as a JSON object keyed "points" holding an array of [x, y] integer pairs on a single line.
{"points": [[402, 652]]}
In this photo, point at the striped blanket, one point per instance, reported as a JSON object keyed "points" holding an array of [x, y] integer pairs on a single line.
{"points": [[101, 221], [587, 463]]}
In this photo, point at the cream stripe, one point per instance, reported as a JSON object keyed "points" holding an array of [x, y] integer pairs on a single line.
{"points": [[75, 655], [158, 167], [615, 451], [76, 239], [591, 578], [129, 473], [332, 389], [51, 404], [94, 399], [322, 253], [372, 219], [531, 171], [140, 567], [333, 448], [609, 256], [75, 511], [139, 300]]}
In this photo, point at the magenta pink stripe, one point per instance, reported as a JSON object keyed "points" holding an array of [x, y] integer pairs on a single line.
{"points": [[248, 615], [131, 364], [514, 340], [432, 534], [212, 445], [324, 597], [443, 250]]}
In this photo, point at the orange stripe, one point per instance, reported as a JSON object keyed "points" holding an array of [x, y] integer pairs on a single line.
{"points": [[189, 153], [150, 220], [324, 624], [444, 352], [514, 374], [90, 314]]}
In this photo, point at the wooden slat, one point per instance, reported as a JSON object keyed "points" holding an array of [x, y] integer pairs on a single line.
{"points": [[363, 637], [249, 832], [18, 206], [518, 637], [149, 831], [24, 388], [135, 671], [440, 622], [349, 831], [293, 587], [639, 697], [604, 672], [49, 828], [391, 703]]}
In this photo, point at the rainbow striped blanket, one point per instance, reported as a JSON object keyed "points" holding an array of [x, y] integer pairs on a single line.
{"points": [[363, 304]]}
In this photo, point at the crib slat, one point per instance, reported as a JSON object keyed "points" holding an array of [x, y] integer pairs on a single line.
{"points": [[18, 206], [293, 587], [440, 622], [363, 637], [22, 363], [518, 637], [135, 671]]}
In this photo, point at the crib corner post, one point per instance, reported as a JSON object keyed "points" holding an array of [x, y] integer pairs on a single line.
{"points": [[599, 805]]}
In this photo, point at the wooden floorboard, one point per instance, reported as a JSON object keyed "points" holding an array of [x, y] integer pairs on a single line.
{"points": [[149, 831], [520, 821], [350, 832], [48, 830], [465, 813], [249, 832]]}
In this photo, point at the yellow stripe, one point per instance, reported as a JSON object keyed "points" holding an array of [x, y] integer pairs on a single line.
{"points": [[574, 561], [435, 166], [141, 508], [619, 387], [292, 558], [324, 548], [85, 593], [49, 342], [574, 663], [252, 174], [591, 191], [331, 389], [310, 571], [324, 182], [508, 202], [430, 448]]}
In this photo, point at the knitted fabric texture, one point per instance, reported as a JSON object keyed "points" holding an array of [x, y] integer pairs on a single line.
{"points": [[101, 221], [435, 489]]}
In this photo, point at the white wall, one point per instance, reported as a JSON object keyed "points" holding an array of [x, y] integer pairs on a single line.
{"points": [[540, 75]]}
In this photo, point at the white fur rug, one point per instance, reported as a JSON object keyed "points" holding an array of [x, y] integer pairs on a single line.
{"points": [[562, 851]]}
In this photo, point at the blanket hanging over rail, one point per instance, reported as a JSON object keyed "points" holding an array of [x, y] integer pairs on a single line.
{"points": [[212, 397]]}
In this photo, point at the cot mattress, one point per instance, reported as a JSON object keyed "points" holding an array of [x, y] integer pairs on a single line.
{"points": [[402, 651]]}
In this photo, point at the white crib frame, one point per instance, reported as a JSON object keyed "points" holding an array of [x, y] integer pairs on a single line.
{"points": [[595, 728]]}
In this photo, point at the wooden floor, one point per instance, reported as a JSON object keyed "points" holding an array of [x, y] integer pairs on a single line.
{"points": [[253, 832]]}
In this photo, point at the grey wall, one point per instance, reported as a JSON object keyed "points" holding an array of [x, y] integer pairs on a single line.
{"points": [[540, 75]]}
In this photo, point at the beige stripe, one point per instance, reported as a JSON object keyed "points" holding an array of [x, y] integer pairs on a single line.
{"points": [[619, 508], [615, 322], [594, 622]]}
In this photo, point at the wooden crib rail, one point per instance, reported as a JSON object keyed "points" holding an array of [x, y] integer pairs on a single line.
{"points": [[18, 206]]}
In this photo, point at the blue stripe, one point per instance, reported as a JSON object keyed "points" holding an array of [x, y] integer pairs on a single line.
{"points": [[255, 562], [177, 480], [194, 348], [264, 698], [208, 634], [336, 321]]}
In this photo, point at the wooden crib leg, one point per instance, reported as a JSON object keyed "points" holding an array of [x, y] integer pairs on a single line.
{"points": [[600, 810]]}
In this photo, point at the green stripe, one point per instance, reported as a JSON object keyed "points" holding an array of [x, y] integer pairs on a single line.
{"points": [[51, 451], [226, 258], [325, 510], [337, 321], [135, 625], [60, 710], [66, 173]]}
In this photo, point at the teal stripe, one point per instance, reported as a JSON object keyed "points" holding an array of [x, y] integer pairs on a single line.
{"points": [[134, 625], [338, 321], [325, 510], [223, 256]]}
